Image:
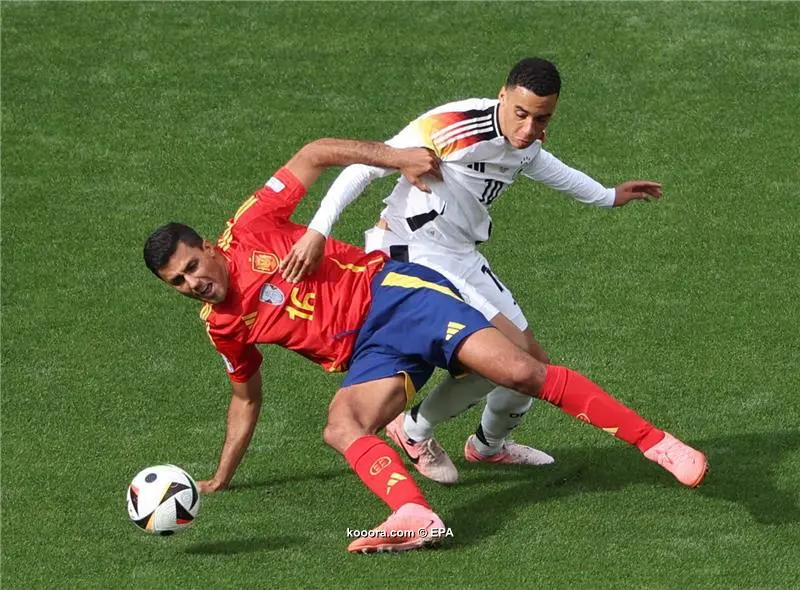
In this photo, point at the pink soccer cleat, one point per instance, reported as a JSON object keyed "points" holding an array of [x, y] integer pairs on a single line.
{"points": [[512, 453], [688, 465], [412, 527], [427, 456]]}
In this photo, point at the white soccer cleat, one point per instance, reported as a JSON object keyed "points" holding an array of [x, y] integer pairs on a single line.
{"points": [[512, 453]]}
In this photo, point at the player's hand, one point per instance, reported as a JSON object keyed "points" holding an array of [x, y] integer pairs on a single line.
{"points": [[417, 163], [209, 486], [642, 190], [304, 256]]}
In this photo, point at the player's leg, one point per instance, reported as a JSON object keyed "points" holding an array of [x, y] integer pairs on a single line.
{"points": [[355, 415], [452, 396], [492, 355], [505, 409], [413, 431]]}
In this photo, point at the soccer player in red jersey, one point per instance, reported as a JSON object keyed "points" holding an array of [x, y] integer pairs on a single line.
{"points": [[387, 323]]}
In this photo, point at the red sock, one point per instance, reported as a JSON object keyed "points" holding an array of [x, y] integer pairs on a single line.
{"points": [[382, 471], [579, 397]]}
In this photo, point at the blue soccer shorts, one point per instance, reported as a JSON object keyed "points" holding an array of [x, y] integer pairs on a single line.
{"points": [[415, 323]]}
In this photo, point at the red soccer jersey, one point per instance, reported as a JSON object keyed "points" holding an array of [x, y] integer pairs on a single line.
{"points": [[319, 317]]}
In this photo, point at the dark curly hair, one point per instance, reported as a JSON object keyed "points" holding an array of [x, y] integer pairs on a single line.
{"points": [[535, 74]]}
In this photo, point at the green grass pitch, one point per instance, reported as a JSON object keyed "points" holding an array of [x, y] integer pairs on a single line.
{"points": [[117, 117]]}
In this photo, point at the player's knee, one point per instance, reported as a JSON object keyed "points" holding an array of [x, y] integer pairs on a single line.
{"points": [[525, 375], [535, 349]]}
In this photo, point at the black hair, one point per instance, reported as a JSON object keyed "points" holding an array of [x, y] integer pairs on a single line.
{"points": [[535, 74], [163, 242]]}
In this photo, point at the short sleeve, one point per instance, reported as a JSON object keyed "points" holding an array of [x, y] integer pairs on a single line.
{"points": [[242, 360], [276, 200], [412, 135], [281, 194]]}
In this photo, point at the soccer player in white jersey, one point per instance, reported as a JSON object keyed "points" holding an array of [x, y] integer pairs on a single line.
{"points": [[484, 146]]}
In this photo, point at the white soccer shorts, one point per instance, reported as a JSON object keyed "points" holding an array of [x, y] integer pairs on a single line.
{"points": [[469, 272]]}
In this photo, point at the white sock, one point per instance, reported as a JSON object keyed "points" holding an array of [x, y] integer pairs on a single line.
{"points": [[504, 411], [447, 400]]}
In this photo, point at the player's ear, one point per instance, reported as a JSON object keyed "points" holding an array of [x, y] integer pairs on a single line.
{"points": [[502, 94], [208, 248]]}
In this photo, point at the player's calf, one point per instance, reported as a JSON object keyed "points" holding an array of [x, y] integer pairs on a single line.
{"points": [[362, 409], [521, 373], [582, 398]]}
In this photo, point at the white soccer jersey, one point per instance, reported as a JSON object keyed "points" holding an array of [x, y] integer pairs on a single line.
{"points": [[478, 164]]}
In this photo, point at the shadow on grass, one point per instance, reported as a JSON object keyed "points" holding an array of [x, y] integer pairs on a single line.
{"points": [[742, 472], [322, 476], [246, 545]]}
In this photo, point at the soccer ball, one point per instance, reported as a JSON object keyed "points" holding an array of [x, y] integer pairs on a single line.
{"points": [[163, 499]]}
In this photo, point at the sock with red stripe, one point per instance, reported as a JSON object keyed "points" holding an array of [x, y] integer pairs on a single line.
{"points": [[382, 471], [580, 397]]}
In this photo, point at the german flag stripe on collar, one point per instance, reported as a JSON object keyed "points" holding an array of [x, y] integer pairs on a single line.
{"points": [[453, 131]]}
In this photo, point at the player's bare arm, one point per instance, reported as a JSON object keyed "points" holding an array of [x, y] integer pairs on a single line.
{"points": [[632, 190], [311, 160], [243, 414], [315, 157]]}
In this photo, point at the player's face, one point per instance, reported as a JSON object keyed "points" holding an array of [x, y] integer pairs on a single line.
{"points": [[199, 273], [524, 115]]}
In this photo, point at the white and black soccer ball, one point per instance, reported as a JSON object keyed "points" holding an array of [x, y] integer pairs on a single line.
{"points": [[163, 499]]}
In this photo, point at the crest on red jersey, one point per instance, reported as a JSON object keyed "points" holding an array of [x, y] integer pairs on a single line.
{"points": [[265, 262]]}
